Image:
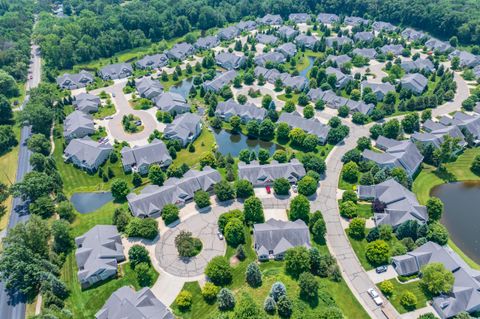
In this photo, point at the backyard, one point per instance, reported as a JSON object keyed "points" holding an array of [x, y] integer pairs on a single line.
{"points": [[400, 288]]}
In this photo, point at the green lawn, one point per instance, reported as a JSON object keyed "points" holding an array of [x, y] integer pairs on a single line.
{"points": [[413, 287], [203, 144], [365, 210], [104, 111], [344, 185], [360, 246]]}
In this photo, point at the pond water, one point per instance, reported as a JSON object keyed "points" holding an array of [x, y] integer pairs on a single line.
{"points": [[305, 71], [462, 215], [89, 202], [234, 143], [182, 88]]}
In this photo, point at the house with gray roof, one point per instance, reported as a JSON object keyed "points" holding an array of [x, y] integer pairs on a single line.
{"points": [[383, 26], [467, 59], [148, 88], [116, 71], [172, 103], [467, 123], [415, 82], [342, 78], [437, 45], [98, 253], [273, 57], [151, 200], [206, 43], [77, 125], [271, 19], [287, 49], [413, 35], [247, 112], [436, 137], [299, 17], [263, 175], [366, 53], [140, 158], [307, 41], [272, 75], [86, 153], [328, 18], [310, 126], [334, 101], [127, 303], [287, 33], [75, 81], [220, 81], [248, 25], [228, 33], [379, 89], [476, 71], [395, 49], [417, 65], [339, 60], [180, 51], [230, 61], [267, 39], [154, 61], [401, 205], [355, 21], [330, 41], [364, 36], [403, 154], [86, 102], [184, 128], [273, 238]]}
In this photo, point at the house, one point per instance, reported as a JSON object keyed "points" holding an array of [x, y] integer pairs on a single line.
{"points": [[287, 32], [228, 33], [364, 36], [206, 43], [148, 88], [415, 82], [339, 41], [172, 103], [299, 17], [287, 49], [328, 18], [476, 71], [413, 35], [151, 200], [272, 75], [271, 19], [86, 153], [355, 21], [274, 237], [139, 158], [272, 57], [339, 60], [418, 65], [403, 154], [267, 39], [155, 61], [220, 81], [116, 71], [75, 81], [439, 46], [180, 51], [247, 112], [469, 124], [77, 125], [229, 60], [127, 303], [263, 175], [86, 102], [342, 79], [307, 41], [401, 205], [379, 89], [334, 101], [380, 26], [184, 128], [465, 293], [366, 53], [246, 25], [436, 137], [467, 59], [98, 253], [395, 49], [310, 126]]}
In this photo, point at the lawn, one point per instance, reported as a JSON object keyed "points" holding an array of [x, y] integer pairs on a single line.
{"points": [[203, 144], [105, 110], [400, 288], [360, 246], [364, 210]]}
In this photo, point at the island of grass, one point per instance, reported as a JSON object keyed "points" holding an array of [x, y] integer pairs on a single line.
{"points": [[187, 245], [132, 124]]}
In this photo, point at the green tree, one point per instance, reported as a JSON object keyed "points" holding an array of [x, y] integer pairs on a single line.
{"points": [[218, 270], [391, 129], [434, 208], [317, 226], [283, 131], [144, 228], [356, 228], [263, 156], [170, 213], [8, 85], [408, 300], [156, 175], [377, 252], [33, 186], [38, 143], [281, 186], [209, 292], [350, 172], [235, 122], [234, 233], [226, 299], [184, 299], [267, 130], [307, 186], [475, 167], [187, 245], [42, 206], [266, 101], [202, 199], [247, 308], [224, 191], [136, 179], [65, 211], [244, 188], [119, 189], [308, 112], [253, 275], [253, 210], [280, 156], [386, 287], [284, 307], [308, 286], [144, 277], [62, 239], [299, 209], [437, 279], [297, 261], [138, 254], [437, 233]]}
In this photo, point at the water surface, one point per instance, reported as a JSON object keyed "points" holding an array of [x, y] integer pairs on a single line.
{"points": [[234, 143], [182, 88], [89, 202], [305, 71]]}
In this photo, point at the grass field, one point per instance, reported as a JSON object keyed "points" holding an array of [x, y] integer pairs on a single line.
{"points": [[400, 288], [203, 144]]}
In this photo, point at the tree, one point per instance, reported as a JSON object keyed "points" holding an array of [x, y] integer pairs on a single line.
{"points": [[280, 156], [266, 101], [38, 143], [281, 186], [317, 226], [144, 277], [434, 208], [208, 159], [247, 308], [284, 307], [283, 131], [350, 172], [244, 188], [349, 195], [253, 275], [252, 129], [6, 111], [307, 186], [263, 156], [121, 218], [136, 179], [156, 175], [33, 186], [219, 271], [7, 138], [201, 198], [343, 111], [170, 213], [187, 245], [235, 122], [356, 228], [391, 129], [253, 211], [224, 191], [8, 85], [299, 209], [447, 150], [297, 136], [234, 233], [210, 292], [270, 306], [386, 287], [436, 278], [226, 300], [314, 163], [43, 207], [65, 211], [144, 228], [377, 252], [278, 290], [267, 130], [62, 239], [138, 254], [39, 116], [184, 299], [437, 233], [408, 300], [308, 112], [297, 261], [475, 167], [348, 209], [308, 286], [119, 189]]}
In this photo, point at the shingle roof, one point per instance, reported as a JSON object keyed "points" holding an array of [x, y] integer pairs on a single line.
{"points": [[155, 152], [413, 35], [364, 36], [220, 81], [148, 88], [75, 81], [299, 17], [379, 89], [271, 19], [116, 71], [339, 60], [247, 111], [266, 38], [152, 61], [171, 102], [265, 174], [383, 26], [183, 126], [274, 57], [207, 42], [86, 150], [247, 25], [311, 126], [414, 81], [271, 75], [334, 101], [417, 65], [278, 236], [327, 18], [366, 53], [180, 51], [339, 40], [229, 60], [306, 40], [86, 102], [467, 59], [228, 33], [354, 21], [287, 49], [396, 49], [287, 32], [437, 45], [78, 124]]}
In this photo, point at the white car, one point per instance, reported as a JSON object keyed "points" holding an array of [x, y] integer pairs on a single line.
{"points": [[220, 236], [375, 296], [294, 188]]}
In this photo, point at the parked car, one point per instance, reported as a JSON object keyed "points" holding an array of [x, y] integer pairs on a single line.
{"points": [[220, 236], [113, 94], [268, 189], [375, 296], [381, 269], [138, 123], [294, 188]]}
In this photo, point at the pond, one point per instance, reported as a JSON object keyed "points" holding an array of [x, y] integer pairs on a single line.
{"points": [[89, 202], [462, 215], [234, 143], [182, 88], [305, 71]]}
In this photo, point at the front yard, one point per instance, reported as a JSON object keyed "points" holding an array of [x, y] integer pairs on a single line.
{"points": [[400, 288]]}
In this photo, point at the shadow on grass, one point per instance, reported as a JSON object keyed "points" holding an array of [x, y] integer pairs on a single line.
{"points": [[445, 175]]}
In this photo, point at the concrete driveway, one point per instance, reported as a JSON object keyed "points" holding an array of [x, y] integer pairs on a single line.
{"points": [[376, 278]]}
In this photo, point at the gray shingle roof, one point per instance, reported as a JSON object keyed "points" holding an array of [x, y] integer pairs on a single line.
{"points": [[339, 60], [311, 126], [228, 33], [437, 45], [116, 71], [246, 112], [274, 57], [366, 53], [383, 26], [334, 101], [271, 75], [306, 40], [418, 65], [220, 81], [327, 18], [148, 88], [299, 17], [364, 36], [86, 102], [260, 175], [266, 38], [247, 25], [287, 32], [171, 102], [75, 81], [354, 21], [271, 19], [287, 49], [467, 59], [414, 82], [339, 40], [229, 60], [152, 61], [154, 153], [435, 133], [183, 126], [396, 49], [180, 51], [413, 35], [78, 124], [379, 89], [86, 151], [342, 78], [208, 42]]}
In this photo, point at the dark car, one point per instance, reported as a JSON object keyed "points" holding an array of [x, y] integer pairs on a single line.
{"points": [[381, 269]]}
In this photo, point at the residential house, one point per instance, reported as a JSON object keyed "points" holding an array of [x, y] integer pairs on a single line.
{"points": [[299, 17], [339, 60], [272, 75], [206, 43], [339, 41], [172, 103], [418, 65], [469, 124], [271, 19], [148, 88], [272, 57], [476, 71], [436, 137], [86, 102], [229, 60], [267, 39], [98, 253], [437, 45], [415, 82], [140, 158], [151, 200], [307, 41], [287, 49], [379, 89], [380, 26], [310, 126], [247, 112], [467, 59], [220, 81], [287, 33], [355, 21], [116, 71], [403, 154], [273, 238], [86, 153], [184, 128], [155, 61], [364, 36], [75, 81], [413, 35], [401, 205], [334, 101], [77, 125], [246, 25], [366, 53], [342, 78], [328, 18], [263, 175], [228, 33], [395, 49], [180, 51], [127, 303]]}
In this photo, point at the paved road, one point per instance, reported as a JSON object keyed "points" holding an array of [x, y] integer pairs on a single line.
{"points": [[14, 308]]}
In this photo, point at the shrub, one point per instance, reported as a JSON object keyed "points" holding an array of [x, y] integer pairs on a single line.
{"points": [[297, 261], [317, 226], [281, 186], [349, 195], [65, 211], [408, 300], [170, 213], [348, 209], [219, 271], [234, 233], [210, 292], [278, 290], [386, 287], [240, 253], [307, 186], [253, 276], [253, 211], [350, 172], [184, 300], [284, 307], [226, 300], [225, 218], [356, 228], [138, 254], [187, 245], [201, 198], [144, 277], [145, 228], [119, 189], [377, 252], [436, 278], [224, 191], [269, 305], [299, 209], [308, 286], [244, 188]]}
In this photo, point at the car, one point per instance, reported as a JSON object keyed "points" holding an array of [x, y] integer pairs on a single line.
{"points": [[294, 188], [138, 123], [31, 77], [113, 94], [269, 190], [375, 296], [381, 269], [220, 236]]}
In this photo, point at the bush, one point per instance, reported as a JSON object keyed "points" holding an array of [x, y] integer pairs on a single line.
{"points": [[144, 277], [253, 211], [356, 228], [308, 286], [317, 226], [210, 292], [65, 211], [307, 186], [281, 186], [377, 252], [244, 188], [226, 300], [436, 278], [284, 307], [278, 290], [408, 300], [138, 254], [253, 276], [349, 195], [297, 261], [156, 175], [475, 167], [121, 219], [184, 300], [119, 189], [270, 306], [350, 172], [226, 217], [348, 209], [202, 199], [299, 209], [170, 213], [240, 253], [145, 228], [224, 191], [386, 287], [187, 245], [234, 233], [219, 271], [434, 208], [437, 233]]}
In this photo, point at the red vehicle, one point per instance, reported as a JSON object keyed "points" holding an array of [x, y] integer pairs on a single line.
{"points": [[268, 189]]}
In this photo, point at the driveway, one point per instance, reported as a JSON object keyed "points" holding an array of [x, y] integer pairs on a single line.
{"points": [[376, 278]]}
